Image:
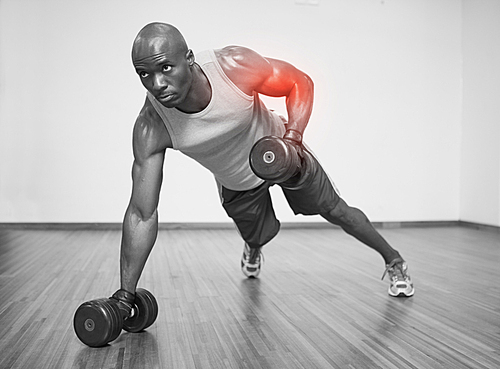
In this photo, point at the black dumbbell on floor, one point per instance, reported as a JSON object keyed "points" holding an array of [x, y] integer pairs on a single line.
{"points": [[98, 322]]}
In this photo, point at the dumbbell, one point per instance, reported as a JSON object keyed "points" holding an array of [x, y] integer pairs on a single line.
{"points": [[98, 322], [274, 159]]}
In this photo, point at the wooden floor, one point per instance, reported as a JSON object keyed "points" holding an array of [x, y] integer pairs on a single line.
{"points": [[319, 302]]}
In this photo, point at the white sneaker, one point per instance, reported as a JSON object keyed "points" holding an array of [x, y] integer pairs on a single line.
{"points": [[401, 284], [251, 261]]}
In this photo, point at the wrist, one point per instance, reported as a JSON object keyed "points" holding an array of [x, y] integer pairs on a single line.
{"points": [[293, 135], [125, 301], [124, 296]]}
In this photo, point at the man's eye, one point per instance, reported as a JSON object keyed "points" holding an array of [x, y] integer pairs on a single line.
{"points": [[143, 74], [167, 68]]}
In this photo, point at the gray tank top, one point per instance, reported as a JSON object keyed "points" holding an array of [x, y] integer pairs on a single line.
{"points": [[221, 136]]}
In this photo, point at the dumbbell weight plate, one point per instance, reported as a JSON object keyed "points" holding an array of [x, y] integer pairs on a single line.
{"points": [[145, 312], [267, 158], [153, 307], [97, 322], [273, 160]]}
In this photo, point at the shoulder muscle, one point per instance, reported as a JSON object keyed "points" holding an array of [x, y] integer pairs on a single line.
{"points": [[150, 135], [245, 67]]}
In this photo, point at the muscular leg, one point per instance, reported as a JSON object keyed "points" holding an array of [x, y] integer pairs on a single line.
{"points": [[354, 222]]}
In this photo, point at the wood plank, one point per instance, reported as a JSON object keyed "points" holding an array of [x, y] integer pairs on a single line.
{"points": [[319, 302]]}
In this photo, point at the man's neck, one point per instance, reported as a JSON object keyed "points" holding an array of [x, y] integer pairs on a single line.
{"points": [[200, 93]]}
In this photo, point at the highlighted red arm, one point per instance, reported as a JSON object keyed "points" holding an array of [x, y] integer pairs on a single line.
{"points": [[296, 86], [252, 72]]}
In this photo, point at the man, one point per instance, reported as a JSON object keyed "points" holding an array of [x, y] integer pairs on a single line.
{"points": [[209, 109]]}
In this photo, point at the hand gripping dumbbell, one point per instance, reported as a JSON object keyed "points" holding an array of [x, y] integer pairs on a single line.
{"points": [[277, 159], [98, 322]]}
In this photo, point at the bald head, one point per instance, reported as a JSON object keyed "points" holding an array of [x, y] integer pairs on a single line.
{"points": [[165, 66], [155, 36]]}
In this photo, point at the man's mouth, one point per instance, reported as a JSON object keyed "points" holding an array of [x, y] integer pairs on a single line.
{"points": [[165, 97]]}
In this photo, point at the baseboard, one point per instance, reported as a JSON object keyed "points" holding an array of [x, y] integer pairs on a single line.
{"points": [[482, 227], [62, 226], [230, 225], [325, 225]]}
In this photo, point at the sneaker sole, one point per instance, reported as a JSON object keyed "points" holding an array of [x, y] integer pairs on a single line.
{"points": [[402, 294], [253, 274]]}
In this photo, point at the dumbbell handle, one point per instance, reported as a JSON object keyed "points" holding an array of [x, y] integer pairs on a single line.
{"points": [[125, 302]]}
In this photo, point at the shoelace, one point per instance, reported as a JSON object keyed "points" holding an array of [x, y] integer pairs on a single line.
{"points": [[397, 269]]}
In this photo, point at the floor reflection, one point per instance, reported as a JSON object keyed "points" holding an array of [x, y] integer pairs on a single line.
{"points": [[130, 350]]}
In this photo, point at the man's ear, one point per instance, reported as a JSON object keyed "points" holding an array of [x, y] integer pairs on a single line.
{"points": [[190, 57]]}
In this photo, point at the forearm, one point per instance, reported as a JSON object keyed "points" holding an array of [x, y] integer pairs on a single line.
{"points": [[299, 104], [138, 238]]}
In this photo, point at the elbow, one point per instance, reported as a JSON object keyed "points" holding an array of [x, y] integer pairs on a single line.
{"points": [[303, 86], [136, 214], [309, 82]]}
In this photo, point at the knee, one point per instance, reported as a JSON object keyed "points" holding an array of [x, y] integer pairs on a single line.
{"points": [[337, 215], [344, 215]]}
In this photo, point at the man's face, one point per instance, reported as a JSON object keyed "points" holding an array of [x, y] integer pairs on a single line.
{"points": [[164, 69]]}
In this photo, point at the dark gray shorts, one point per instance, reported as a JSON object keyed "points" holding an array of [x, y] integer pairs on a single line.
{"points": [[252, 210]]}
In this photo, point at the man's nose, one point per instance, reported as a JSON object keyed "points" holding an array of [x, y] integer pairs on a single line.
{"points": [[159, 82]]}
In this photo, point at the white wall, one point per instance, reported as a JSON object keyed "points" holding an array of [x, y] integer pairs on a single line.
{"points": [[480, 153], [386, 121]]}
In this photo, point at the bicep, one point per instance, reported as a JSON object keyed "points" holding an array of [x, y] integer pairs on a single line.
{"points": [[254, 73], [282, 79]]}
